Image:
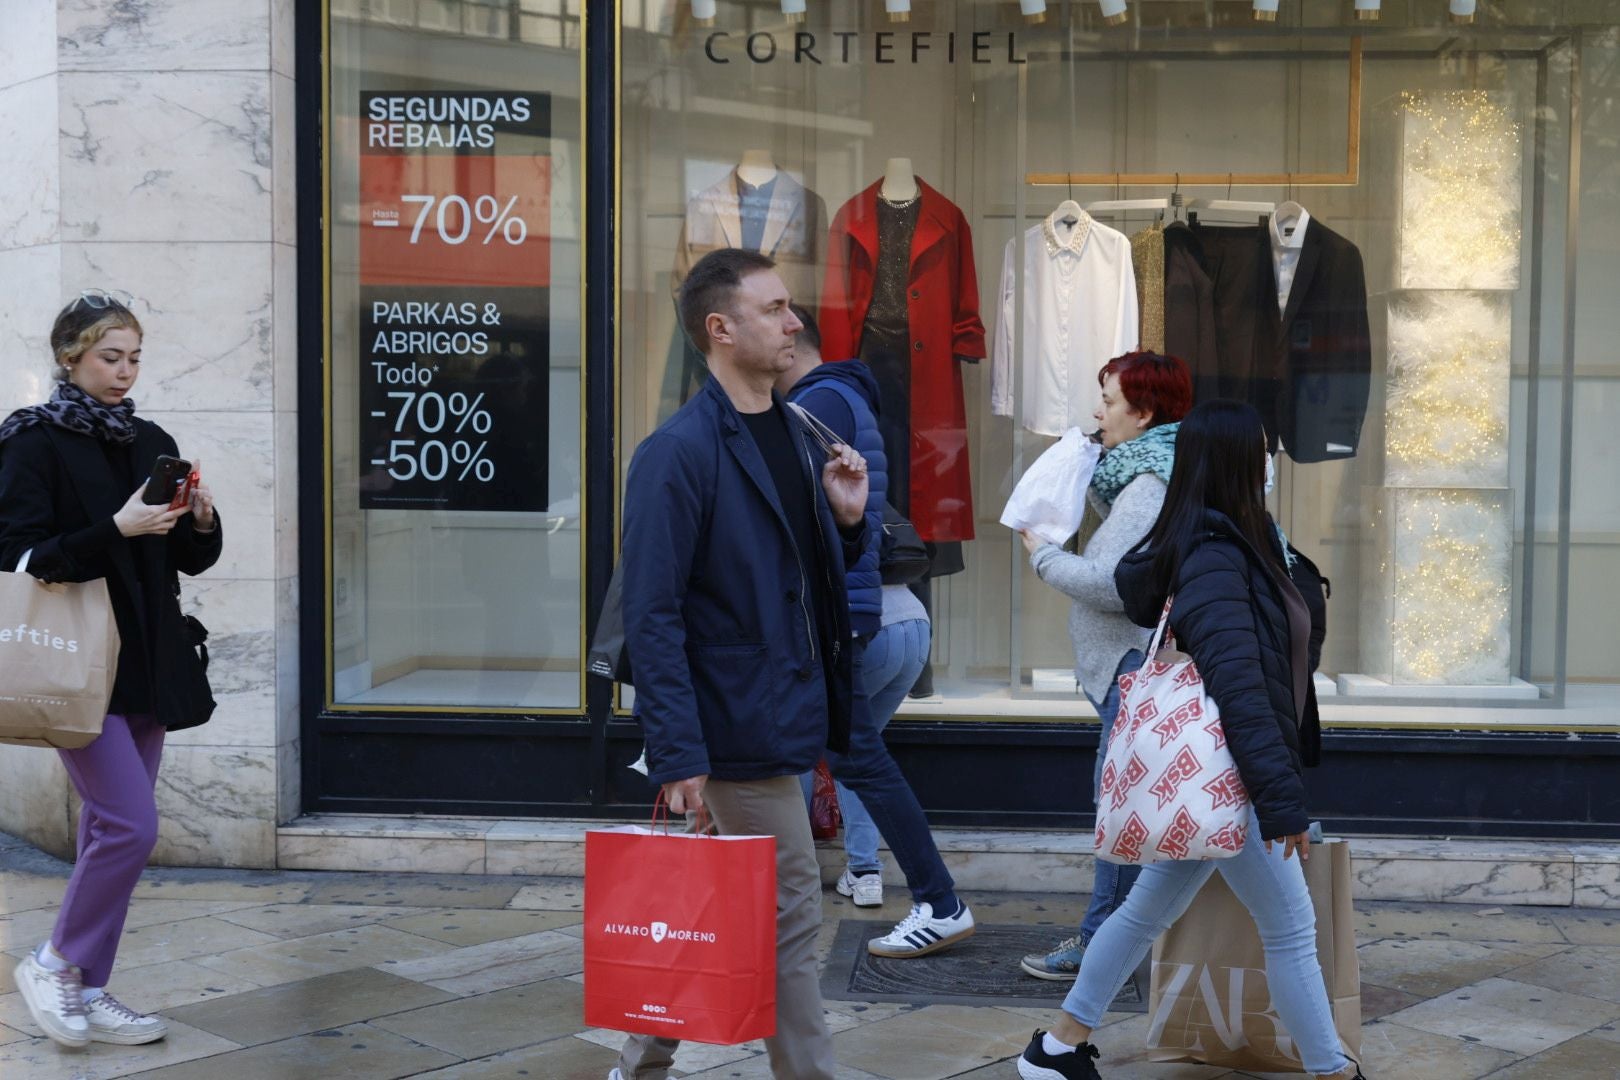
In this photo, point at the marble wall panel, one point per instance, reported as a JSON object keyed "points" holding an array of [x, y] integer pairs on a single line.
{"points": [[163, 35], [216, 807], [28, 46], [284, 160], [208, 311], [284, 327], [285, 436], [289, 707], [30, 170], [237, 453], [283, 37], [36, 805], [1458, 881], [1597, 876], [240, 616], [28, 303], [167, 156]]}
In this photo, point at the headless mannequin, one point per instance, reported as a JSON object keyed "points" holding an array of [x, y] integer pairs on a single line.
{"points": [[756, 167], [1287, 216], [899, 181]]}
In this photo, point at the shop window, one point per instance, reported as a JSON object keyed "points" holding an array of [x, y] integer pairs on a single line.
{"points": [[455, 393], [1410, 176]]}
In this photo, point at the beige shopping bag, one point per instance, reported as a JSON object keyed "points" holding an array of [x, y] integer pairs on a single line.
{"points": [[1210, 1002], [58, 659]]}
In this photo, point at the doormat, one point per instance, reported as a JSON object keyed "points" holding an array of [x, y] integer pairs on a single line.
{"points": [[981, 971]]}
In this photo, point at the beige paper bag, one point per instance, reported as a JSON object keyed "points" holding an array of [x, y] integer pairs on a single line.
{"points": [[1210, 1002], [58, 659]]}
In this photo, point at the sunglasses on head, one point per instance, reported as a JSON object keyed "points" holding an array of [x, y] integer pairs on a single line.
{"points": [[105, 298]]}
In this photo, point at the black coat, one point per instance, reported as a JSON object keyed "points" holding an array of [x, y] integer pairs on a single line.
{"points": [[1307, 369], [58, 495], [1230, 618]]}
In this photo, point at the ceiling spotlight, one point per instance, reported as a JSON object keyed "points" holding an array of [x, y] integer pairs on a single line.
{"points": [[1461, 11], [1113, 11], [1034, 11], [899, 10], [703, 12], [1265, 10], [1368, 10], [793, 10]]}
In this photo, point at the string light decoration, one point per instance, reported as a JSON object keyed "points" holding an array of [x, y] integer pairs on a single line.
{"points": [[1451, 570], [1449, 371], [1460, 194]]}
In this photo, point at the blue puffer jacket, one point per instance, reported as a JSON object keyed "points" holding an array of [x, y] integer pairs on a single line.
{"points": [[844, 396], [734, 677]]}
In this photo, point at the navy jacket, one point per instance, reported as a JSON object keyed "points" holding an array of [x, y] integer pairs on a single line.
{"points": [[730, 680], [844, 396], [1230, 618]]}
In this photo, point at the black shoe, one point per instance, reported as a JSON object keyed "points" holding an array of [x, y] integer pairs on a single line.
{"points": [[1036, 1064]]}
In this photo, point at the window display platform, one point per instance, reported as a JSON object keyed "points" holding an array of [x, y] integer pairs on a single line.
{"points": [[472, 689]]}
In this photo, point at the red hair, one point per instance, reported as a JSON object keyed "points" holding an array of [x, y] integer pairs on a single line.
{"points": [[1152, 383]]}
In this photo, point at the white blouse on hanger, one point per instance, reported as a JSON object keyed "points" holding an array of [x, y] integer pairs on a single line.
{"points": [[1079, 313]]}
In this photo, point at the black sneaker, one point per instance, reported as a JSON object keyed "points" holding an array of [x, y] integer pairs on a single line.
{"points": [[1036, 1064]]}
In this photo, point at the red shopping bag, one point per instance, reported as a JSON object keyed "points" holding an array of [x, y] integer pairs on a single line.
{"points": [[825, 815], [680, 934]]}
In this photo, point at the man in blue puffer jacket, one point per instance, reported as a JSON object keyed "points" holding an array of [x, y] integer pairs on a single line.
{"points": [[891, 644]]}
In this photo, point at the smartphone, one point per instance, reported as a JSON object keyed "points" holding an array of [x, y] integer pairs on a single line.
{"points": [[167, 484]]}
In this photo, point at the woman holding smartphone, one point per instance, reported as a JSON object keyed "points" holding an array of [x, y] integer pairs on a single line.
{"points": [[73, 473]]}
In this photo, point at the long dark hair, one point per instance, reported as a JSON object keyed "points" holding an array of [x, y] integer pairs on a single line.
{"points": [[1220, 465]]}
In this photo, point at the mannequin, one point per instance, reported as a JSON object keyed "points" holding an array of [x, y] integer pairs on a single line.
{"points": [[899, 180], [1287, 215], [756, 167]]}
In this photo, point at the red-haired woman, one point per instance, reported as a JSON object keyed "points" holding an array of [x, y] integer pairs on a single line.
{"points": [[1144, 397]]}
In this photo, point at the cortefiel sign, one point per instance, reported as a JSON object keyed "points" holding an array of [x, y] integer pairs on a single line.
{"points": [[455, 276]]}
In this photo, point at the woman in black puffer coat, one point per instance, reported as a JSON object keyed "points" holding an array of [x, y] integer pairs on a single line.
{"points": [[1219, 559]]}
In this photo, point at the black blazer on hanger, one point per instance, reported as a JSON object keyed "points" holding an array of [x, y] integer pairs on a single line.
{"points": [[1307, 369]]}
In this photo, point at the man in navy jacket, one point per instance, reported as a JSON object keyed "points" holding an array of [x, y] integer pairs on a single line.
{"points": [[736, 535]]}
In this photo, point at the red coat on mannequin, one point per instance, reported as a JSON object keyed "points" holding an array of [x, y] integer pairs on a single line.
{"points": [[942, 299]]}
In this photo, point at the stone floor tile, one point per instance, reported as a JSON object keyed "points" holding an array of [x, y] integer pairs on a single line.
{"points": [[415, 890], [1457, 922], [1429, 968], [8, 982], [1508, 1015], [690, 1058], [287, 921], [504, 1020], [25, 892], [1589, 927], [759, 1068], [931, 1043], [11, 1035], [1608, 1033], [272, 891], [170, 985], [472, 926], [559, 1059], [496, 965], [1123, 1044], [357, 1052], [1025, 909], [1393, 1051], [555, 894], [322, 954], [143, 945], [1590, 970], [869, 1012], [326, 1001], [1586, 1057], [41, 1059], [1379, 1001]]}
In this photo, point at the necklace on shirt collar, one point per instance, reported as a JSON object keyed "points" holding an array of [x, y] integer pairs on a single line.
{"points": [[1077, 238]]}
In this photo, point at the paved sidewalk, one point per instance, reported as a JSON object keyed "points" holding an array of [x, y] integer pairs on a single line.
{"points": [[309, 976]]}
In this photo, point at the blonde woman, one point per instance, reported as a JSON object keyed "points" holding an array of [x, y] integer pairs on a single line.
{"points": [[72, 474]]}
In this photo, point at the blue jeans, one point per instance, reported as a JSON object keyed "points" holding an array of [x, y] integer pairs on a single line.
{"points": [[1110, 882], [1274, 892], [894, 658], [868, 776]]}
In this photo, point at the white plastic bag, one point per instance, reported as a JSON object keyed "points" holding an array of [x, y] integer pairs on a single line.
{"points": [[1050, 498]]}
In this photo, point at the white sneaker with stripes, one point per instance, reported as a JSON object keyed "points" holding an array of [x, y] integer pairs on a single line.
{"points": [[920, 933]]}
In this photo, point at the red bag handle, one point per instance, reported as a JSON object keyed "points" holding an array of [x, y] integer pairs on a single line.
{"points": [[660, 813]]}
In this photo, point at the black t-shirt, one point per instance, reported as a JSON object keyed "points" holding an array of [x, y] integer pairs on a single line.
{"points": [[785, 458]]}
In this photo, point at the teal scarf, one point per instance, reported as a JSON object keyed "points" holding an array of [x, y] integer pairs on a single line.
{"points": [[1153, 451]]}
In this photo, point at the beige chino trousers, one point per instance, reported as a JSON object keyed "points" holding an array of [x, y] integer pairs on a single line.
{"points": [[801, 1048]]}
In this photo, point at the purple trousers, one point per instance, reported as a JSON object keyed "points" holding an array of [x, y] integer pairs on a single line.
{"points": [[115, 776]]}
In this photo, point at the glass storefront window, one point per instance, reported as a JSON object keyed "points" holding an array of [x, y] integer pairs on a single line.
{"points": [[1420, 371], [455, 394]]}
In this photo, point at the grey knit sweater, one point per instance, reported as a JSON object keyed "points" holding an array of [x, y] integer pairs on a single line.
{"points": [[1101, 633]]}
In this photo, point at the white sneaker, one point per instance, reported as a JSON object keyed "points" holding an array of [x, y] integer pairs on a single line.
{"points": [[920, 933], [865, 889], [55, 1000], [111, 1021]]}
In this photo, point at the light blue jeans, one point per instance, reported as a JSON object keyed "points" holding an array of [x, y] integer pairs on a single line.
{"points": [[1274, 892], [1110, 882], [893, 660]]}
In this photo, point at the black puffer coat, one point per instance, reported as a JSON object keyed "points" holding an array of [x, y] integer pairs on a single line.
{"points": [[1230, 618]]}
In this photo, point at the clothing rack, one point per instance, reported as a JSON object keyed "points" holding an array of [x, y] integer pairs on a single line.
{"points": [[1349, 178]]}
